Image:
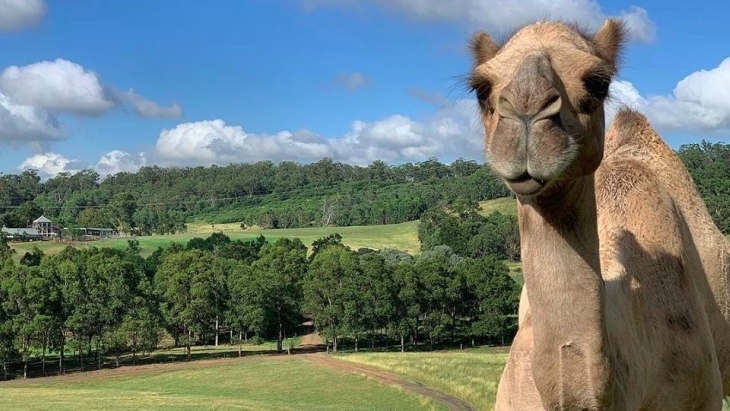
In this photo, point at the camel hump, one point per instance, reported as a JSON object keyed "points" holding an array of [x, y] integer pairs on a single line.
{"points": [[631, 129]]}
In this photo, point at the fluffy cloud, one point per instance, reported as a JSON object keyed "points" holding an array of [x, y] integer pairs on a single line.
{"points": [[699, 102], [20, 14], [117, 161], [50, 164], [63, 86], [32, 96], [25, 123], [60, 86], [352, 81], [502, 16], [451, 132]]}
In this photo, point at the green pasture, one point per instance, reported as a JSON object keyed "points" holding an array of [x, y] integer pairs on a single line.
{"points": [[402, 236], [260, 383]]}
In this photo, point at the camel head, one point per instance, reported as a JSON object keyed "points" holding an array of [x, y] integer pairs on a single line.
{"points": [[541, 97]]}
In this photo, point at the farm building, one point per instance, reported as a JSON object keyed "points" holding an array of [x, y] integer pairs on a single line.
{"points": [[45, 227], [88, 234], [21, 234]]}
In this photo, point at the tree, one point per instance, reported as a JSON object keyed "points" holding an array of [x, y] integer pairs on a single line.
{"points": [[187, 283], [329, 282], [278, 275], [32, 258], [490, 296], [121, 210]]}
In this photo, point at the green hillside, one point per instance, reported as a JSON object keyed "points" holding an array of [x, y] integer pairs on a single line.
{"points": [[403, 236]]}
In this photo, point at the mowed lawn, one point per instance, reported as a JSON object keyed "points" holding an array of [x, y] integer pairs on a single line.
{"points": [[248, 384], [471, 374]]}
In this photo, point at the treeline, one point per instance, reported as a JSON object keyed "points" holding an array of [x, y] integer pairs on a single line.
{"points": [[285, 195], [94, 304], [158, 200]]}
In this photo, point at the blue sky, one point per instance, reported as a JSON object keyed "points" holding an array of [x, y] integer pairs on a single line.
{"points": [[113, 85]]}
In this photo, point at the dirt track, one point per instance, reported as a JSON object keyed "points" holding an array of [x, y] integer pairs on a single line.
{"points": [[452, 403]]}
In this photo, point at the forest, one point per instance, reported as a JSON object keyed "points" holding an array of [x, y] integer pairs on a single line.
{"points": [[288, 195], [158, 200], [97, 303]]}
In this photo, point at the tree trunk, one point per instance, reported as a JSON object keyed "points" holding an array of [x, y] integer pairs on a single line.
{"points": [[63, 348], [134, 348], [240, 344], [26, 344], [5, 370], [402, 343], [98, 354], [217, 330], [281, 332], [334, 344], [187, 345], [43, 357], [230, 338], [356, 344]]}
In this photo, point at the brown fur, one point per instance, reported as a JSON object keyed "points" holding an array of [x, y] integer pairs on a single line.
{"points": [[626, 304]]}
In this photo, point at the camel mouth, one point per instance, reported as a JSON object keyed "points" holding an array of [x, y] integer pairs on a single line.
{"points": [[525, 185]]}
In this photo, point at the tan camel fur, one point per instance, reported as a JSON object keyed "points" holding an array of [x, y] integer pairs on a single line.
{"points": [[626, 274]]}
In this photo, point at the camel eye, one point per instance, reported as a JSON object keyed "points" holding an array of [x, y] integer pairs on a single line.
{"points": [[597, 85], [482, 90]]}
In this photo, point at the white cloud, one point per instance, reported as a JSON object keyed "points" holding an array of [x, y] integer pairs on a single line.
{"points": [[20, 14], [63, 86], [117, 161], [502, 16], [24, 123], [452, 131], [149, 109], [352, 81], [59, 85], [50, 164], [699, 102]]}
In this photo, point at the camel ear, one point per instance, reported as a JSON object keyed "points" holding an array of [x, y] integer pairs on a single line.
{"points": [[483, 48], [609, 41]]}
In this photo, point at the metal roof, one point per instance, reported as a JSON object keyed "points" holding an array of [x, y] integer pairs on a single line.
{"points": [[41, 219], [20, 231]]}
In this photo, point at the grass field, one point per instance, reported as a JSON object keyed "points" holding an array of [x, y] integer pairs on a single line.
{"points": [[506, 205], [262, 383], [402, 236], [470, 374]]}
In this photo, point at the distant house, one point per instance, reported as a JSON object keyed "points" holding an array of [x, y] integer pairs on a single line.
{"points": [[21, 234], [45, 227]]}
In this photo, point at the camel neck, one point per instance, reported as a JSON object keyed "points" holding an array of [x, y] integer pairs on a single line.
{"points": [[564, 286]]}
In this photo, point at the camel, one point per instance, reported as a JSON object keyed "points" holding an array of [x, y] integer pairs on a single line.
{"points": [[626, 301]]}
